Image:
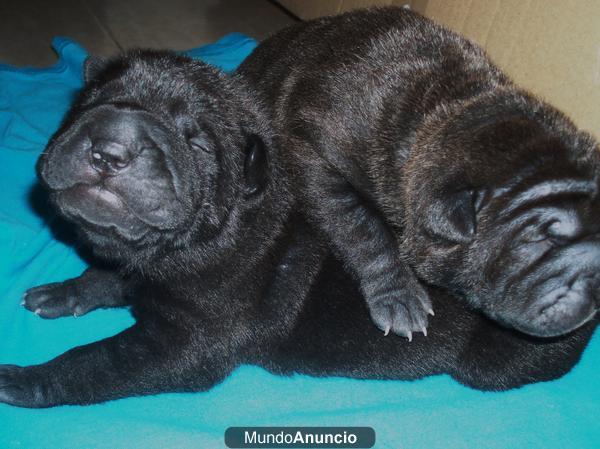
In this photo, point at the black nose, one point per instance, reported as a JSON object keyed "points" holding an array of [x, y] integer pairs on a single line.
{"points": [[109, 157], [104, 141]]}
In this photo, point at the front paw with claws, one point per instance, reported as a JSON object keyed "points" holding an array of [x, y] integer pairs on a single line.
{"points": [[56, 300], [402, 311]]}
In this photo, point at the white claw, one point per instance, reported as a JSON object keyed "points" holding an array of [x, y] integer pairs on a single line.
{"points": [[424, 329], [430, 312], [386, 331], [409, 336], [37, 311]]}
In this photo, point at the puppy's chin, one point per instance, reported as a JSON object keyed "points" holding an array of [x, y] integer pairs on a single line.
{"points": [[553, 295], [559, 304], [559, 312], [101, 211], [103, 221]]}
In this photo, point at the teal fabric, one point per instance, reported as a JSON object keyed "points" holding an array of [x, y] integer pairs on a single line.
{"points": [[431, 413]]}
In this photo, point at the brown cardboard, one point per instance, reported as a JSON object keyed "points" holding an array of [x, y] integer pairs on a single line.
{"points": [[549, 47], [310, 9], [347, 5]]}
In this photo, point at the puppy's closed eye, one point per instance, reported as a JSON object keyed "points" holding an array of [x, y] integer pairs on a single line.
{"points": [[557, 231]]}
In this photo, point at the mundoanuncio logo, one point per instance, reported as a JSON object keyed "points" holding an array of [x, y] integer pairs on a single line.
{"points": [[300, 437]]}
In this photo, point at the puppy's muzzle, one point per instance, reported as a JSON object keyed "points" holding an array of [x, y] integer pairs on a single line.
{"points": [[109, 169], [103, 143], [567, 295]]}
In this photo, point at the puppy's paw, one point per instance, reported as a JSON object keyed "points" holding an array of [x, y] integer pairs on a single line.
{"points": [[403, 311], [55, 300], [19, 387]]}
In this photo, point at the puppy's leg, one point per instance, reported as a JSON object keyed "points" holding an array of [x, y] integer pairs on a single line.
{"points": [[397, 301], [144, 359], [95, 288]]}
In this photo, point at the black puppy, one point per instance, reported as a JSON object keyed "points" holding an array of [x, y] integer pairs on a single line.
{"points": [[407, 145], [161, 164], [168, 171]]}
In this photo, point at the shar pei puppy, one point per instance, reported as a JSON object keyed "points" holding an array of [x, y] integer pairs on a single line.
{"points": [[420, 160]]}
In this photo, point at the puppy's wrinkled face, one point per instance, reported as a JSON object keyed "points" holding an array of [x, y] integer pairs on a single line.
{"points": [[541, 238], [151, 152], [114, 172], [514, 225]]}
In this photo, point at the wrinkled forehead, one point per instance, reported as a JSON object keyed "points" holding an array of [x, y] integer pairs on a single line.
{"points": [[572, 188], [135, 84], [129, 121]]}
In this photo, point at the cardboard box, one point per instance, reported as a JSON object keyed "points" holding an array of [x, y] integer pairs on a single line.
{"points": [[311, 9], [549, 47]]}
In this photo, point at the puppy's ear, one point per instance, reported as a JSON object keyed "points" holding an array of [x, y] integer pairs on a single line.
{"points": [[256, 165], [93, 66], [453, 216]]}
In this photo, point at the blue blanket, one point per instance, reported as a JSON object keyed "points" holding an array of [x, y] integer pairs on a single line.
{"points": [[431, 413]]}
